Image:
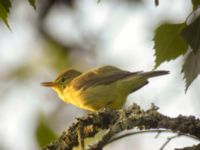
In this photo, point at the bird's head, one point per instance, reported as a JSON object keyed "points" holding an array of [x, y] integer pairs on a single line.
{"points": [[62, 80]]}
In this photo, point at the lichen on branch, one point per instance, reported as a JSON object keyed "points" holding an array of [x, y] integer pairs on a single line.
{"points": [[116, 121]]}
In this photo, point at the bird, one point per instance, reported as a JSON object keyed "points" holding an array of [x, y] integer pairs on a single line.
{"points": [[99, 88]]}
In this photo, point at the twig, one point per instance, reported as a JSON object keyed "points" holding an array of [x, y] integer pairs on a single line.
{"points": [[156, 2], [81, 137], [137, 132], [168, 140], [157, 135]]}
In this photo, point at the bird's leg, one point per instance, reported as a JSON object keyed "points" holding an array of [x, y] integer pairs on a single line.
{"points": [[81, 137], [103, 109]]}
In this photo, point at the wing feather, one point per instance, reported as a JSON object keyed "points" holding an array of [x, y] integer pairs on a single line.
{"points": [[100, 76]]}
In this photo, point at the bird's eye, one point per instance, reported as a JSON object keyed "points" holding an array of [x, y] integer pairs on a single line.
{"points": [[63, 80]]}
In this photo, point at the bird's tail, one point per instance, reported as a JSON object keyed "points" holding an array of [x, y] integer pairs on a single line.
{"points": [[151, 74]]}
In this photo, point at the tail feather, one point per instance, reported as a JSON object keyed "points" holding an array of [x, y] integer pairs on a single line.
{"points": [[154, 73]]}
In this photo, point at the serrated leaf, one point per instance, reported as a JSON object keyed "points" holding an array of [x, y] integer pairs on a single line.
{"points": [[6, 4], [44, 133], [4, 11], [168, 43], [32, 3], [191, 34], [191, 68], [195, 4]]}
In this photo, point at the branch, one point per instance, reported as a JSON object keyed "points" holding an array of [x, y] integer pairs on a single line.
{"points": [[87, 41], [195, 147], [116, 121], [159, 131]]}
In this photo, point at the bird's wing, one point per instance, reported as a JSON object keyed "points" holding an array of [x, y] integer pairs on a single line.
{"points": [[100, 76]]}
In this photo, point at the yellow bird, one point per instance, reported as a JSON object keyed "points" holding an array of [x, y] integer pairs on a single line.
{"points": [[104, 87]]}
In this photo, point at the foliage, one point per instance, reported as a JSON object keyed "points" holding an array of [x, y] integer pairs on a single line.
{"points": [[32, 3], [195, 4], [5, 6], [191, 34], [4, 10], [168, 42], [172, 40], [191, 67], [44, 134]]}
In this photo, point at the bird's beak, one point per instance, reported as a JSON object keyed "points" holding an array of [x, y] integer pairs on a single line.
{"points": [[48, 84]]}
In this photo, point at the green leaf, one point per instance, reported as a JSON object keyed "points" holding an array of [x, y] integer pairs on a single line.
{"points": [[6, 4], [191, 68], [195, 4], [191, 34], [168, 43], [44, 133], [32, 3], [4, 11]]}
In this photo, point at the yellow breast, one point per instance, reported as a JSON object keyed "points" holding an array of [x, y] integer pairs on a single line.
{"points": [[95, 98]]}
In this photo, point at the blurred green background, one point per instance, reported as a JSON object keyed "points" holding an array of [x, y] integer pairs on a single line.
{"points": [[83, 34]]}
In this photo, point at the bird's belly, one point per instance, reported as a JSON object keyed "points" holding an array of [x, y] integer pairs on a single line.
{"points": [[98, 97]]}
